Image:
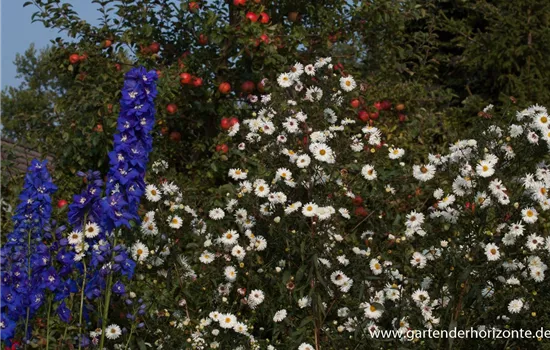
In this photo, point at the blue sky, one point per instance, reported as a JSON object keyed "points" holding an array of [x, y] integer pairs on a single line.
{"points": [[17, 32]]}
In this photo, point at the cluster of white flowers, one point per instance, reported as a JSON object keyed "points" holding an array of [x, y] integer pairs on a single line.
{"points": [[307, 196]]}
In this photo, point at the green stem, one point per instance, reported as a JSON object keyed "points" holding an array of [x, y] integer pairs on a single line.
{"points": [[48, 323], [130, 336], [107, 300], [81, 308]]}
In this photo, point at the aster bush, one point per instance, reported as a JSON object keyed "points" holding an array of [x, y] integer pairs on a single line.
{"points": [[327, 231]]}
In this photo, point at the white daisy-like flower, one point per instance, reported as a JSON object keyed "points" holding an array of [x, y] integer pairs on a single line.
{"points": [[368, 172], [306, 346], [492, 252], [229, 238], [261, 189], [309, 69], [424, 172], [310, 209], [421, 297], [283, 173], [293, 207], [347, 83], [515, 306], [279, 315], [140, 252], [534, 242], [338, 278], [371, 311], [230, 273], [296, 70], [216, 214], [304, 302], [175, 222], [375, 266], [322, 152], [255, 298], [227, 321], [285, 80], [303, 161], [345, 213], [396, 153], [485, 168], [75, 237], [414, 220], [529, 215], [152, 193], [92, 230], [238, 252], [207, 257], [237, 174], [418, 260], [113, 331], [240, 328]]}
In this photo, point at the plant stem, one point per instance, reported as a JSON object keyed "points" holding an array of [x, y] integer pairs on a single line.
{"points": [[81, 307], [107, 300], [130, 336], [48, 323]]}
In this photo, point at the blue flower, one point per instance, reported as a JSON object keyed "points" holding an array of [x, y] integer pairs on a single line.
{"points": [[118, 288], [7, 327], [64, 313]]}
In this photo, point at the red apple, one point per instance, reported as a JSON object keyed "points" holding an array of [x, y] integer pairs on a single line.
{"points": [[386, 105], [61, 203], [197, 82], [175, 136], [203, 39], [159, 73], [264, 38], [357, 200], [224, 88], [194, 6], [378, 105], [264, 18], [154, 47], [248, 86], [374, 115], [225, 123], [164, 130], [222, 148], [185, 78], [98, 128], [363, 115], [360, 211], [252, 16], [83, 57], [402, 118], [239, 2], [74, 58], [355, 103], [171, 108], [107, 43], [233, 121]]}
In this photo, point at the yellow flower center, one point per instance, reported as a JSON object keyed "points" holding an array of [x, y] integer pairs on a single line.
{"points": [[372, 308]]}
